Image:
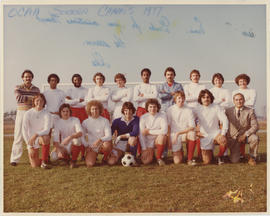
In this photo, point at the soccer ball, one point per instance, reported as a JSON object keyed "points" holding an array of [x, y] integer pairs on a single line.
{"points": [[128, 160], [54, 156]]}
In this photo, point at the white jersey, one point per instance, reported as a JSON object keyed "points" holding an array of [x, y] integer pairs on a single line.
{"points": [[209, 118], [76, 94], [119, 96], [36, 122], [148, 91], [222, 97], [156, 124], [249, 94], [180, 118], [192, 91], [64, 128], [99, 93], [96, 128], [54, 99]]}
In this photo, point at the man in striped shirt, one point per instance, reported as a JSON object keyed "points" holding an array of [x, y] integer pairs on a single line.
{"points": [[24, 96]]}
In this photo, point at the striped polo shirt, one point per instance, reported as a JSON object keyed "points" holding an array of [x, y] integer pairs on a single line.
{"points": [[24, 96]]}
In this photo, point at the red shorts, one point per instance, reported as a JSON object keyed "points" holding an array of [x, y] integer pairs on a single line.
{"points": [[80, 113], [106, 114], [140, 111]]}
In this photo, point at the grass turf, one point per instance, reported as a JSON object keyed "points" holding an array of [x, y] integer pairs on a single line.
{"points": [[172, 188]]}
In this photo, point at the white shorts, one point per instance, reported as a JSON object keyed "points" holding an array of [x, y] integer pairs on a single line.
{"points": [[121, 145], [207, 143], [178, 145], [148, 141]]}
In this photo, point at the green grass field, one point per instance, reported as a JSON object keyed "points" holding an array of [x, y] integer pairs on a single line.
{"points": [[172, 188]]}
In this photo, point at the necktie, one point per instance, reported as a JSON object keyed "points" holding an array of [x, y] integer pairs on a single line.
{"points": [[238, 113]]}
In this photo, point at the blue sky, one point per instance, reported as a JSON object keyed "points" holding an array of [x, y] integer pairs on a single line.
{"points": [[85, 39]]}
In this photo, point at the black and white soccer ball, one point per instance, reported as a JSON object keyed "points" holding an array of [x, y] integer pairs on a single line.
{"points": [[128, 160]]}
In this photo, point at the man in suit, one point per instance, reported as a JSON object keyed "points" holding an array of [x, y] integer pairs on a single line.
{"points": [[243, 126]]}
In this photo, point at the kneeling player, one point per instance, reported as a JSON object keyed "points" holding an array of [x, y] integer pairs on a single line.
{"points": [[127, 131], [153, 130], [67, 133], [36, 131], [181, 127], [209, 116], [98, 131]]}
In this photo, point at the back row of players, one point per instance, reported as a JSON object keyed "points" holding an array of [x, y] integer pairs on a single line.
{"points": [[81, 121]]}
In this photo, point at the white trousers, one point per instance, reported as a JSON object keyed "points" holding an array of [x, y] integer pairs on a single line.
{"points": [[17, 147]]}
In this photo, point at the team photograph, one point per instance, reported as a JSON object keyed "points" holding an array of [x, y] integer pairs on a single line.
{"points": [[161, 120]]}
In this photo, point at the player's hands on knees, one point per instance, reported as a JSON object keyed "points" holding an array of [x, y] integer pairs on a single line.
{"points": [[97, 143], [66, 140], [32, 140], [241, 138], [221, 139], [145, 132]]}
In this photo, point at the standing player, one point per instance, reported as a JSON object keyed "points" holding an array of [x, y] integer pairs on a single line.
{"points": [[98, 131], [120, 95], [75, 98], [192, 90], [181, 127], [153, 131], [126, 128], [210, 116], [24, 96], [54, 97], [36, 131], [100, 93], [222, 96], [142, 93], [67, 133], [242, 81], [167, 89]]}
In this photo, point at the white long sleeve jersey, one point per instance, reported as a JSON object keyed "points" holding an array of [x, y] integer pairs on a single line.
{"points": [[119, 96], [180, 118], [64, 128], [222, 97], [99, 93], [54, 99], [96, 128], [249, 94], [76, 94], [148, 91], [36, 122], [192, 91], [209, 118]]}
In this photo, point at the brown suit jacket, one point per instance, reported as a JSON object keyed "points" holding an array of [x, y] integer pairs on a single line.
{"points": [[246, 122]]}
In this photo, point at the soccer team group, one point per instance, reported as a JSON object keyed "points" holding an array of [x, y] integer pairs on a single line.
{"points": [[166, 117]]}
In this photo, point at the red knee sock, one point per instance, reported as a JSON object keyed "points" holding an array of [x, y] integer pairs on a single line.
{"points": [[105, 155], [45, 149], [75, 151], [82, 148], [139, 148], [160, 149], [199, 152], [222, 149], [242, 149], [191, 147]]}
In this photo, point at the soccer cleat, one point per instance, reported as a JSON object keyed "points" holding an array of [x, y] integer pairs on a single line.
{"points": [[82, 158], [220, 161], [160, 162], [251, 161], [44, 166], [13, 164], [191, 163]]}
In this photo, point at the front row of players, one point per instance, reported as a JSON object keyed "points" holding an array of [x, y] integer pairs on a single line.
{"points": [[207, 125]]}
